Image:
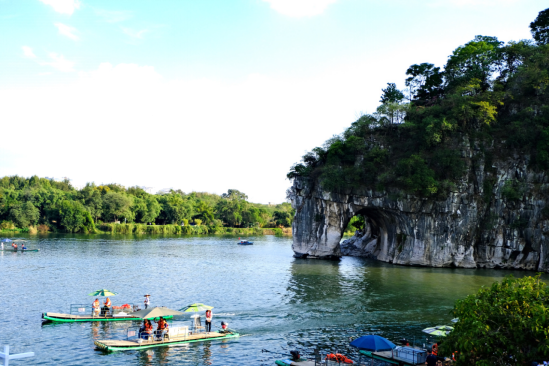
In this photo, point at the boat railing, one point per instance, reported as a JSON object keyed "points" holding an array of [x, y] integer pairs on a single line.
{"points": [[135, 334], [87, 309]]}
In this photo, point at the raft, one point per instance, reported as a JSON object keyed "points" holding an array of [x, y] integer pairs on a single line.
{"points": [[19, 250], [122, 345], [71, 318]]}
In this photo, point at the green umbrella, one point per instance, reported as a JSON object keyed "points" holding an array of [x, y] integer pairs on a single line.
{"points": [[102, 292], [440, 330], [196, 307]]}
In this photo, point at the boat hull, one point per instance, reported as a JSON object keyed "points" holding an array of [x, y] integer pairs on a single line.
{"points": [[114, 346], [68, 318]]}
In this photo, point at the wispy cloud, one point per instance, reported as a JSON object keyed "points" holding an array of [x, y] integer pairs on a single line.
{"points": [[59, 62], [135, 34], [27, 52], [67, 31], [300, 8], [114, 16], [63, 6]]}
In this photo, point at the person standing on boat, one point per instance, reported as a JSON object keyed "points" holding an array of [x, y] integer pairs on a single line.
{"points": [[147, 302], [95, 307], [208, 321]]}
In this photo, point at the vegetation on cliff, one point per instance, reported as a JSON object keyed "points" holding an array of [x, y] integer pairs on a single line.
{"points": [[57, 206], [488, 93], [505, 324]]}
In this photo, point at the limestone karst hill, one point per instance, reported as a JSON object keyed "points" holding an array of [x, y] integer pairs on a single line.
{"points": [[455, 174]]}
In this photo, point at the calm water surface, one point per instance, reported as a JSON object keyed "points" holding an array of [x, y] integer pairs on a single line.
{"points": [[277, 302]]}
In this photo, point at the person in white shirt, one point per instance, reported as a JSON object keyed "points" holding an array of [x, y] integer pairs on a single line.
{"points": [[147, 302]]}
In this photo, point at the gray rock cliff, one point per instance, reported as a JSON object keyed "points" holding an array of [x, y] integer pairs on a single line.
{"points": [[468, 228]]}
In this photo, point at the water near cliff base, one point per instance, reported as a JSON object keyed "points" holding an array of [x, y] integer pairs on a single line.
{"points": [[279, 303]]}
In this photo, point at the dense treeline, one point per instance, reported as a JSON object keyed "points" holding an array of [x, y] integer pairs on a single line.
{"points": [[57, 206], [487, 93]]}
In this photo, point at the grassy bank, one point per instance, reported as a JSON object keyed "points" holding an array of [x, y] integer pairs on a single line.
{"points": [[172, 229]]}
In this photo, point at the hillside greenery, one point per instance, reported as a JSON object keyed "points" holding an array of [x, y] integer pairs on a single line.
{"points": [[488, 93], [50, 205]]}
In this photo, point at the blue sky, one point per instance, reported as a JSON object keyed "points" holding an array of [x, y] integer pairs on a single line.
{"points": [[211, 95]]}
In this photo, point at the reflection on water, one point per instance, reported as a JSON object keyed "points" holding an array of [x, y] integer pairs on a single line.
{"points": [[277, 302]]}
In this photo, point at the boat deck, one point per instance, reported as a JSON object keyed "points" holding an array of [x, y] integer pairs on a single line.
{"points": [[60, 317], [120, 345], [389, 357]]}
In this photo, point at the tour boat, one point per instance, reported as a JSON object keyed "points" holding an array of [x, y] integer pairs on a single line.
{"points": [[175, 336], [84, 313]]}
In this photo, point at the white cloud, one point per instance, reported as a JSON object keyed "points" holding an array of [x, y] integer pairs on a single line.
{"points": [[27, 52], [299, 8], [135, 34], [129, 113], [59, 62], [121, 75], [63, 6], [67, 31], [114, 16]]}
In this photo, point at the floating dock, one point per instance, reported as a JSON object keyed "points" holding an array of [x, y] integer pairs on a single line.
{"points": [[71, 318], [121, 345]]}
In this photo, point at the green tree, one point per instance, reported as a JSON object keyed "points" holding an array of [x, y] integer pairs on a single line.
{"points": [[477, 59], [24, 214], [92, 199], [117, 205], [175, 208], [391, 94], [425, 81], [539, 28], [75, 218], [204, 212], [233, 194], [505, 324]]}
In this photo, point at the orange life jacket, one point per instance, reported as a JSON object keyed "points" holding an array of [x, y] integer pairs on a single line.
{"points": [[95, 305], [108, 303], [338, 357], [434, 349]]}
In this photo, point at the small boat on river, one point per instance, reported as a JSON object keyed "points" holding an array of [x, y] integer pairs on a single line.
{"points": [[175, 336], [84, 313], [19, 250]]}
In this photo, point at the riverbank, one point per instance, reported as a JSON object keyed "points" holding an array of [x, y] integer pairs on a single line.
{"points": [[171, 229]]}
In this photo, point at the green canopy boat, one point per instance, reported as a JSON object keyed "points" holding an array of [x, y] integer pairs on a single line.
{"points": [[84, 313], [175, 336]]}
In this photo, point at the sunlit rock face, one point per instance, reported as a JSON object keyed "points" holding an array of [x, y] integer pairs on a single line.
{"points": [[467, 229]]}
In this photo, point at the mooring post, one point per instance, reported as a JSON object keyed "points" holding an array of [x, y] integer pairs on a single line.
{"points": [[7, 357]]}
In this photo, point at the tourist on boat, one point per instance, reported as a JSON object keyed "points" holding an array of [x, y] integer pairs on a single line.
{"points": [[162, 327], [23, 247], [431, 360], [146, 329], [95, 307], [208, 321], [147, 302], [106, 309], [14, 246]]}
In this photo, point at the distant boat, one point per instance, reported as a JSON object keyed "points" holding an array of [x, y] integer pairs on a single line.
{"points": [[244, 242]]}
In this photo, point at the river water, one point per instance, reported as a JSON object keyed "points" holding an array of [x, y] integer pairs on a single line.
{"points": [[277, 302]]}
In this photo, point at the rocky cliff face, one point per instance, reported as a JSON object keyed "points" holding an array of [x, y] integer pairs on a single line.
{"points": [[479, 223]]}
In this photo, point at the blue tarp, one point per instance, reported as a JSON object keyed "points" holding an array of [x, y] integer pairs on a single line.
{"points": [[373, 343], [6, 241]]}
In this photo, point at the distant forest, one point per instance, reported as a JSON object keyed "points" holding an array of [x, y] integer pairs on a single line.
{"points": [[57, 206]]}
